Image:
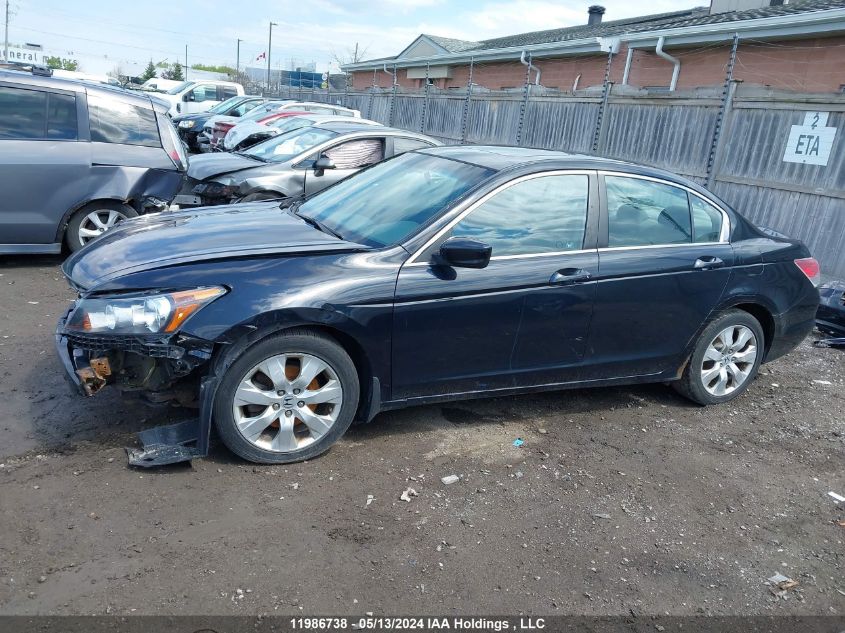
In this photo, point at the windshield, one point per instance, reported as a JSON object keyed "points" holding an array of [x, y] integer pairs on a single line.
{"points": [[289, 124], [389, 202], [285, 146], [175, 90], [225, 105]]}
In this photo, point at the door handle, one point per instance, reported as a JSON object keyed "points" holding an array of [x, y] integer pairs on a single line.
{"points": [[569, 276], [708, 262]]}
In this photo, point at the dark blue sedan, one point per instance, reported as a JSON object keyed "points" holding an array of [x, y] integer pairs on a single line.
{"points": [[445, 273]]}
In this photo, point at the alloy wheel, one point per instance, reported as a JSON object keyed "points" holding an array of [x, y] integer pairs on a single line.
{"points": [[287, 402], [729, 360], [98, 222]]}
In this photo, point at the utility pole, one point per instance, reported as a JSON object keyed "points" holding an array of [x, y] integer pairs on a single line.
{"points": [[269, 48], [238, 60], [6, 40], [186, 62]]}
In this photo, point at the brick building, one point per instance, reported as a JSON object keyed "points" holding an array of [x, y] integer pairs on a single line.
{"points": [[796, 46]]}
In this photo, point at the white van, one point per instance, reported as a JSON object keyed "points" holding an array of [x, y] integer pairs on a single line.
{"points": [[199, 96]]}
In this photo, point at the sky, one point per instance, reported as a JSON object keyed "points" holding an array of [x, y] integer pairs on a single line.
{"points": [[106, 34]]}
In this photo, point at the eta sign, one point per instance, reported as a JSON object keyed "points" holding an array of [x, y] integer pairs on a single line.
{"points": [[811, 142]]}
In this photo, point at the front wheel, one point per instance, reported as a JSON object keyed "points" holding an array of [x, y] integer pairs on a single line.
{"points": [[92, 220], [726, 359], [287, 398]]}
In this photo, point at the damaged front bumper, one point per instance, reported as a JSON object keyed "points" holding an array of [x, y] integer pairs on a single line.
{"points": [[157, 366]]}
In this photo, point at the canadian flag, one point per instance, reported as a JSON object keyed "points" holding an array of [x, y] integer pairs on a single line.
{"points": [[262, 56]]}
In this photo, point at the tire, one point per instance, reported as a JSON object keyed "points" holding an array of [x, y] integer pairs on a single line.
{"points": [[725, 361], [261, 195], [260, 416], [109, 214]]}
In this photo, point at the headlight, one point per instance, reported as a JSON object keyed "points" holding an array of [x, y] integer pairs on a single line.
{"points": [[187, 124], [139, 314]]}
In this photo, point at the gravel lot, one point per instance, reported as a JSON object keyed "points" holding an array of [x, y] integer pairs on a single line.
{"points": [[620, 500]]}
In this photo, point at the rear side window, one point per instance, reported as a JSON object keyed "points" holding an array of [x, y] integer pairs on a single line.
{"points": [[645, 213], [33, 114], [706, 221], [356, 154], [402, 144], [229, 92], [540, 215], [114, 121], [61, 117], [23, 113]]}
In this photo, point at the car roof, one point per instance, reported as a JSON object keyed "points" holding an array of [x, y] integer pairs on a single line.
{"points": [[339, 118], [500, 158], [26, 79]]}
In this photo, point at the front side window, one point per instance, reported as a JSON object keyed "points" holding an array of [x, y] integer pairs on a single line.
{"points": [[23, 113], [243, 108], [645, 213], [224, 106], [203, 93], [547, 214], [390, 201], [356, 154], [113, 121]]}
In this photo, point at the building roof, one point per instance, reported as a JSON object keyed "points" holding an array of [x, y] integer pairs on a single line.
{"points": [[597, 36]]}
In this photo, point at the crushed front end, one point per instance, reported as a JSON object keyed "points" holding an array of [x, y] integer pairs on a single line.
{"points": [[133, 342]]}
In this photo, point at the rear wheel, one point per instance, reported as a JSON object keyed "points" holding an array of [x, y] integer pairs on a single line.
{"points": [[726, 359], [93, 220], [287, 398]]}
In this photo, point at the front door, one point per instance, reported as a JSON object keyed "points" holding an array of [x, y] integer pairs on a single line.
{"points": [[523, 320], [348, 157], [665, 265]]}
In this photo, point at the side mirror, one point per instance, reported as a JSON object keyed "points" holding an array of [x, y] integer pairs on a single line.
{"points": [[463, 252], [322, 164]]}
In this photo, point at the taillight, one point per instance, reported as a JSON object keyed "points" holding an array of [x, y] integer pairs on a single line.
{"points": [[810, 267]]}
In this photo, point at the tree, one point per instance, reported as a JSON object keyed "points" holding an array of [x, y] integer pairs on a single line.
{"points": [[61, 63], [349, 56], [225, 70], [149, 72], [174, 73]]}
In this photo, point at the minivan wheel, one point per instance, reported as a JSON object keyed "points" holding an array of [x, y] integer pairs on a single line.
{"points": [[287, 398], [726, 359], [92, 220]]}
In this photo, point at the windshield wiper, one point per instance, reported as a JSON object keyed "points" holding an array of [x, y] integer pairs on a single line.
{"points": [[309, 220]]}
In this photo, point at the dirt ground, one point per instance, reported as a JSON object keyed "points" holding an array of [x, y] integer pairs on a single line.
{"points": [[620, 500]]}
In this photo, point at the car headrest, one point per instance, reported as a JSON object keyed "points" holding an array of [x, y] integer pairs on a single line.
{"points": [[630, 213], [677, 217]]}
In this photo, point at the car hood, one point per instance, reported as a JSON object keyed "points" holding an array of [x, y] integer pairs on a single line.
{"points": [[182, 237], [211, 165], [244, 130], [194, 116]]}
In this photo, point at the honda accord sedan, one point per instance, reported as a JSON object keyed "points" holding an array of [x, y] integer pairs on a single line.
{"points": [[441, 274]]}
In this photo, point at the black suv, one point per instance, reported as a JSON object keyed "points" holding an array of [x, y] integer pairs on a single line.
{"points": [[78, 157]]}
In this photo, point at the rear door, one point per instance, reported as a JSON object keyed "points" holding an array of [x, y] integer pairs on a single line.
{"points": [[348, 157], [524, 319], [43, 164], [664, 262]]}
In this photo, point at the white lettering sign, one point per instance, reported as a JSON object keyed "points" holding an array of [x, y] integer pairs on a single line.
{"points": [[811, 142], [22, 55]]}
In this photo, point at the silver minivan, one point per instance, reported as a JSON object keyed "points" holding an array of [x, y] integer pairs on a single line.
{"points": [[76, 158]]}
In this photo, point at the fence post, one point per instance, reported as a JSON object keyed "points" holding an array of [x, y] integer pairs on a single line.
{"points": [[372, 95], [346, 90], [724, 111], [598, 136], [392, 98], [425, 99], [465, 115], [526, 91]]}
